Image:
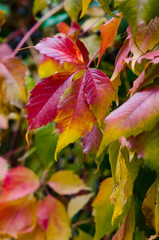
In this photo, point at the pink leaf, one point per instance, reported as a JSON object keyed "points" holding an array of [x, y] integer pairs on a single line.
{"points": [[3, 168]]}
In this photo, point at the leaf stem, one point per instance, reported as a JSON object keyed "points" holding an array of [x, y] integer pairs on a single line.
{"points": [[34, 28], [93, 57]]}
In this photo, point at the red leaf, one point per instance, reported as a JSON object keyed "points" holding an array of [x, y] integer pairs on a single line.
{"points": [[108, 33], [150, 55], [83, 50], [74, 117], [99, 92], [19, 182], [44, 99], [63, 28], [139, 113], [60, 48]]}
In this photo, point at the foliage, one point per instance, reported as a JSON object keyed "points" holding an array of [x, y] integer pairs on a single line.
{"points": [[79, 120]]}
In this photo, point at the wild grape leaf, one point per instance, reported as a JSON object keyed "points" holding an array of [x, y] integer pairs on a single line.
{"points": [[3, 168], [146, 38], [12, 77], [60, 48], [136, 12], [44, 99], [149, 204], [108, 33], [92, 140], [17, 217], [85, 5], [5, 50], [132, 117], [146, 146], [73, 8], [98, 92], [19, 182], [53, 219], [77, 203], [126, 230], [83, 50], [74, 118], [119, 64], [66, 183], [105, 6], [103, 209]]}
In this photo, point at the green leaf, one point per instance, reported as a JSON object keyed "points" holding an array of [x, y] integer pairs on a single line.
{"points": [[105, 5], [137, 12], [83, 236], [40, 5], [73, 8], [103, 209]]}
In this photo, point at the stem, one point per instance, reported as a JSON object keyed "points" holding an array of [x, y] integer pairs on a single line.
{"points": [[93, 58], [82, 222], [33, 29]]}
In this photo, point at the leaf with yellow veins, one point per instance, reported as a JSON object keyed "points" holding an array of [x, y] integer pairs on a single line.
{"points": [[74, 118]]}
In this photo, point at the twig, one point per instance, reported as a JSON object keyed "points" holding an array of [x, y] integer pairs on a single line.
{"points": [[81, 222]]}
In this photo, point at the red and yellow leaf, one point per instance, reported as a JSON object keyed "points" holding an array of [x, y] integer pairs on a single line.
{"points": [[61, 49], [108, 33], [17, 217], [132, 117], [99, 93], [19, 182], [44, 99], [66, 183], [74, 118]]}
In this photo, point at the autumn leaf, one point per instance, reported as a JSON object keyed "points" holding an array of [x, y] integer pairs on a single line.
{"points": [[77, 203], [73, 8], [36, 234], [53, 219], [74, 118], [83, 236], [2, 17], [42, 110], [66, 183], [108, 33], [98, 92], [12, 76], [60, 48], [105, 6], [3, 168], [17, 217], [5, 50], [103, 209], [19, 182], [132, 117], [85, 5]]}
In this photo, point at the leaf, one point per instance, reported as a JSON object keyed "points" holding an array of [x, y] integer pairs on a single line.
{"points": [[146, 146], [12, 77], [83, 236], [39, 5], [98, 92], [2, 17], [148, 205], [53, 219], [63, 28], [83, 50], [136, 12], [66, 183], [17, 217], [132, 117], [95, 11], [108, 33], [60, 48], [73, 8], [105, 6], [103, 209], [3, 121], [92, 140], [157, 209], [3, 168], [5, 50], [146, 38], [85, 5], [74, 119], [77, 203], [93, 24], [19, 182], [119, 64], [92, 43], [126, 230], [36, 234], [44, 99]]}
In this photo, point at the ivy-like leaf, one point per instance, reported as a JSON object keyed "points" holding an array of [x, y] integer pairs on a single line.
{"points": [[103, 209], [17, 217], [74, 118], [19, 182], [61, 49], [108, 33], [66, 183], [98, 92], [132, 117], [44, 99]]}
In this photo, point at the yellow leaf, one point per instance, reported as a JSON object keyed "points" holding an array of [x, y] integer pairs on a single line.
{"points": [[83, 236], [2, 17], [85, 4]]}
